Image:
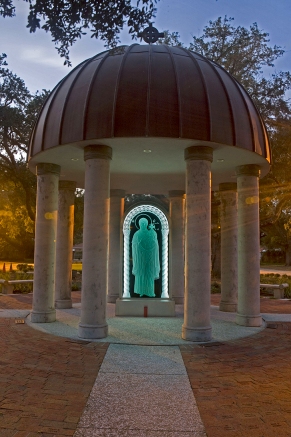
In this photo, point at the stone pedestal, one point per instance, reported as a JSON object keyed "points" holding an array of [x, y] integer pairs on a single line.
{"points": [[64, 246], [248, 309], [95, 242], [43, 306], [136, 307], [228, 227], [196, 325], [115, 235], [177, 250]]}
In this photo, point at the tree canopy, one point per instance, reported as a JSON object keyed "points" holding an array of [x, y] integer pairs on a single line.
{"points": [[248, 56], [18, 112], [69, 20]]}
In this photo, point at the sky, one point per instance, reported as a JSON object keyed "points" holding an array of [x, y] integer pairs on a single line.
{"points": [[34, 58]]}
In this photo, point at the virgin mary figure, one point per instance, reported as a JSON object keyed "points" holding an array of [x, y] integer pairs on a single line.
{"points": [[145, 257]]}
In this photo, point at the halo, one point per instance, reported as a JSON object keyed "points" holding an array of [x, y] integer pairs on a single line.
{"points": [[143, 214]]}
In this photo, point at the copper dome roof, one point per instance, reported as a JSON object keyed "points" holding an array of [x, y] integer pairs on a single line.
{"points": [[149, 91]]}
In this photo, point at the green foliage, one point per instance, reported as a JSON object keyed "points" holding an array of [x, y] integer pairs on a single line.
{"points": [[18, 112], [275, 278], [247, 55], [275, 193], [18, 288], [76, 286], [215, 287], [242, 52], [171, 39], [4, 275], [69, 20], [25, 267]]}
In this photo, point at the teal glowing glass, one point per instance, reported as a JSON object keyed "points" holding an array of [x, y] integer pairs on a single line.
{"points": [[145, 259]]}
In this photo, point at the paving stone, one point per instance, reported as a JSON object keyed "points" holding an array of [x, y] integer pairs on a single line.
{"points": [[26, 406], [255, 392], [249, 380]]}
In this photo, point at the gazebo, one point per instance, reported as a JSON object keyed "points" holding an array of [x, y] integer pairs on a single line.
{"points": [[148, 119]]}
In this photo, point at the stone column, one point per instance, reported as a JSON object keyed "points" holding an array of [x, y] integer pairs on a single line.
{"points": [[95, 242], [196, 325], [64, 246], [248, 310], [228, 228], [43, 306], [177, 230], [115, 255]]}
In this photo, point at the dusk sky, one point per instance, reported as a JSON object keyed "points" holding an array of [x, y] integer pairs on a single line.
{"points": [[34, 58]]}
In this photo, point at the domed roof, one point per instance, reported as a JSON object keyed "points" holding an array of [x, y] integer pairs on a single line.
{"points": [[150, 91], [149, 103]]}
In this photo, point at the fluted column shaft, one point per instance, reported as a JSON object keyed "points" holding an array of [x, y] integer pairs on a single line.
{"points": [[95, 242], [248, 310], [196, 325], [43, 307], [228, 227], [64, 245]]}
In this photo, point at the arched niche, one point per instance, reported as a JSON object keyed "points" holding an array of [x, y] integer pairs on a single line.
{"points": [[130, 219]]}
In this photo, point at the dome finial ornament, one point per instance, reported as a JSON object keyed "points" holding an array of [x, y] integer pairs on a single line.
{"points": [[150, 34]]}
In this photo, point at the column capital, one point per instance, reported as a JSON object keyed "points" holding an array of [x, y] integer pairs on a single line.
{"points": [[67, 185], [97, 152], [117, 193], [176, 193], [46, 167], [202, 153], [228, 186], [248, 170]]}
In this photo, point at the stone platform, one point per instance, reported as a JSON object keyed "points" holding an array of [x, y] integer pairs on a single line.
{"points": [[145, 307]]}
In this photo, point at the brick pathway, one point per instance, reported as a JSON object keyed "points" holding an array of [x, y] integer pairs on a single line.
{"points": [[268, 305], [243, 387], [44, 381]]}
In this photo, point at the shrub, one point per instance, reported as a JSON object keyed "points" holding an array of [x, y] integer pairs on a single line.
{"points": [[215, 287], [273, 278], [76, 286], [24, 267]]}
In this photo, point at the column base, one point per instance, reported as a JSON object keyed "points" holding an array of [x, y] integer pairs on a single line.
{"points": [[196, 334], [43, 316], [251, 321], [63, 303], [228, 307], [92, 331], [111, 298]]}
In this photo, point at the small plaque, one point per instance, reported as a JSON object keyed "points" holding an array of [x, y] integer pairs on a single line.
{"points": [[19, 321]]}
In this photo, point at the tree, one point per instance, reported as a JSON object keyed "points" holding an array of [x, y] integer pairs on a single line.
{"points": [[18, 112], [275, 204], [69, 20], [245, 53], [248, 57], [16, 227]]}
